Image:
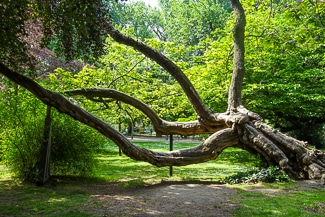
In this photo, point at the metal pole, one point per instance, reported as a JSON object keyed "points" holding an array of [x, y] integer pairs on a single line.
{"points": [[170, 149]]}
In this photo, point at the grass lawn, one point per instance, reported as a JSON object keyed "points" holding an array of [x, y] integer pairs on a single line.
{"points": [[287, 201], [70, 198], [112, 167]]}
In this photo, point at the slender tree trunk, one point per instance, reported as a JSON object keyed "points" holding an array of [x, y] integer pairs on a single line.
{"points": [[234, 98]]}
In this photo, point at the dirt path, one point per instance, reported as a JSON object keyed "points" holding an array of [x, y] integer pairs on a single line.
{"points": [[165, 199], [182, 199]]}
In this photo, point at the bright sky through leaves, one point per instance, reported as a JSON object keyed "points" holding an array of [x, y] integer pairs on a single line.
{"points": [[153, 3]]}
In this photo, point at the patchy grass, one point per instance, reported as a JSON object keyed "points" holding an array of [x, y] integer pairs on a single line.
{"points": [[29, 200]]}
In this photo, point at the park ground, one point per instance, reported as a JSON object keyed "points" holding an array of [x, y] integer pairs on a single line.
{"points": [[138, 189], [69, 197]]}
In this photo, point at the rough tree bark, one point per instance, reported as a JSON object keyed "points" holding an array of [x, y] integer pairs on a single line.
{"points": [[236, 127]]}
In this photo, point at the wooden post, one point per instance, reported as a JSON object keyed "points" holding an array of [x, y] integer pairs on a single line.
{"points": [[170, 149], [45, 153]]}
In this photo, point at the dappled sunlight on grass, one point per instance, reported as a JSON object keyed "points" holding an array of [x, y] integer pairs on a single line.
{"points": [[57, 200], [23, 199]]}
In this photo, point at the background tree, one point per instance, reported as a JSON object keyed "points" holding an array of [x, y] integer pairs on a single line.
{"points": [[189, 22], [145, 21], [284, 60], [237, 127]]}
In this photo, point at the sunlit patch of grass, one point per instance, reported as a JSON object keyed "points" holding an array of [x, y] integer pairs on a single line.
{"points": [[113, 167], [288, 203], [289, 185]]}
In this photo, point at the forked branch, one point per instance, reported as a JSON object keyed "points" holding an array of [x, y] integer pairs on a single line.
{"points": [[201, 110]]}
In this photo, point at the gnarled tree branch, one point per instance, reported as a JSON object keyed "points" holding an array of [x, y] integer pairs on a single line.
{"points": [[161, 126]]}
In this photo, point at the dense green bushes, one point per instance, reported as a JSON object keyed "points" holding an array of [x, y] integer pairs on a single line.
{"points": [[21, 129], [73, 146]]}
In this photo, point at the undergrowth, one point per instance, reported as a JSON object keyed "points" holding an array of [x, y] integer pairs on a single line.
{"points": [[270, 174]]}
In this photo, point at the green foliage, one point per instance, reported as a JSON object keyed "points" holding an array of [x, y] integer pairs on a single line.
{"points": [[71, 28], [270, 174], [125, 70], [189, 22], [210, 72], [75, 26], [285, 66], [189, 34], [22, 123], [144, 20], [13, 15], [73, 147]]}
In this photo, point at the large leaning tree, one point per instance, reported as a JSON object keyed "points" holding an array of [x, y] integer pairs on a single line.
{"points": [[236, 127]]}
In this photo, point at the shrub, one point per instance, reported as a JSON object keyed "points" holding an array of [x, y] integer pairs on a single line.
{"points": [[21, 129], [73, 147], [21, 118], [270, 174]]}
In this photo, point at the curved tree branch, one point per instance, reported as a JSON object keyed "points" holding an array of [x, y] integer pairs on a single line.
{"points": [[201, 110], [161, 126]]}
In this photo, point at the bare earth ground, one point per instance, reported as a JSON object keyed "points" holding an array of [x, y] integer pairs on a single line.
{"points": [[165, 199], [175, 199]]}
